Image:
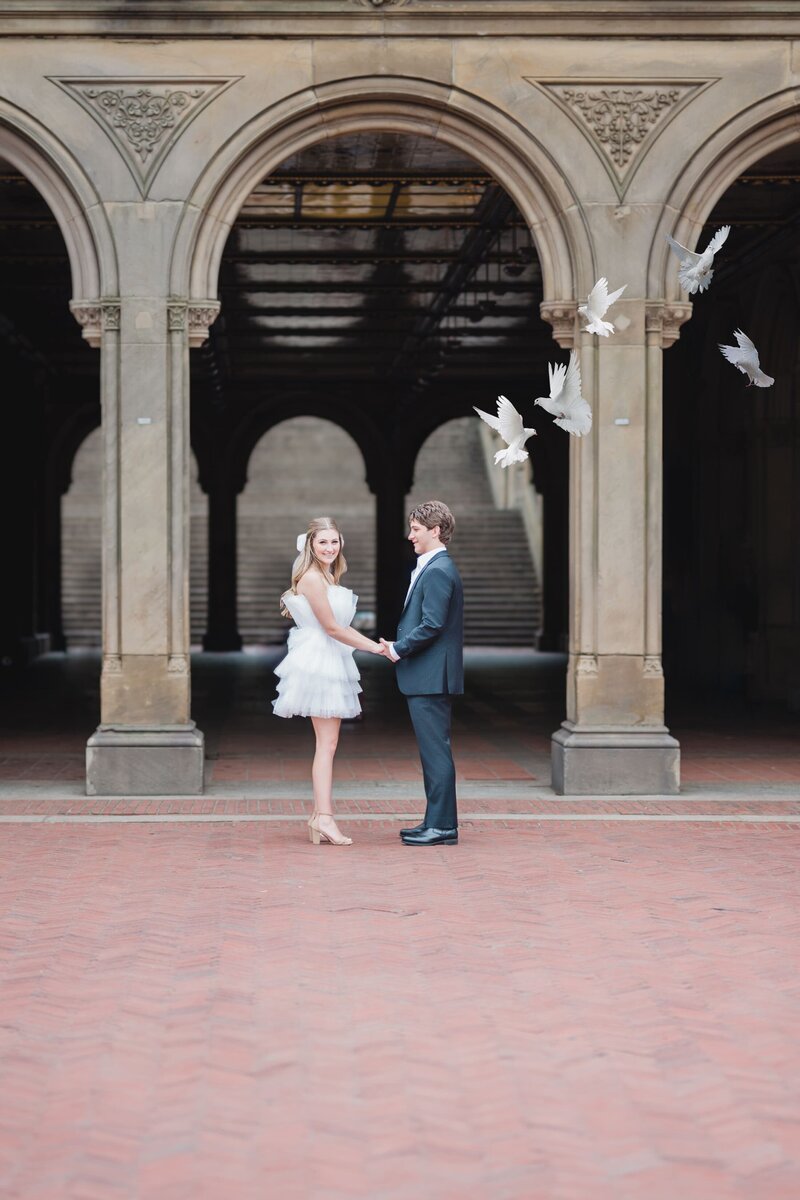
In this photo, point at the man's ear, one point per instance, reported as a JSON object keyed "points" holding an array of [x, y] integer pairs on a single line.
{"points": [[436, 532]]}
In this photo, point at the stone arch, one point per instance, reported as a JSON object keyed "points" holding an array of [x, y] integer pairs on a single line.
{"points": [[262, 419], [66, 444], [70, 196], [278, 501], [498, 541], [401, 104], [752, 134]]}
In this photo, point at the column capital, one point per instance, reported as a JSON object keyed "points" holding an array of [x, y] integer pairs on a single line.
{"points": [[665, 320], [561, 315], [194, 316], [96, 317]]}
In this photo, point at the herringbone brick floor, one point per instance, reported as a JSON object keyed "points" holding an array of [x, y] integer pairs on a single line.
{"points": [[545, 1012]]}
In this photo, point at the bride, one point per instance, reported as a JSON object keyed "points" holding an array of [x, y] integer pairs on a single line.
{"points": [[318, 678]]}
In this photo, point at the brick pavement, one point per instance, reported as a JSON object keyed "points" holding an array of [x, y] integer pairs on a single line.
{"points": [[545, 1012]]}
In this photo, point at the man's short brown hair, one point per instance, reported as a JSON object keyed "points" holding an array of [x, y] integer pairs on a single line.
{"points": [[433, 513]]}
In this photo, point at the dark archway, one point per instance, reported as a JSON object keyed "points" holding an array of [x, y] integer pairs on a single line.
{"points": [[382, 281], [51, 387], [732, 458]]}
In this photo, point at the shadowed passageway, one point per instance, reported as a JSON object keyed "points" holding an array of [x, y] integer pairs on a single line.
{"points": [[502, 729]]}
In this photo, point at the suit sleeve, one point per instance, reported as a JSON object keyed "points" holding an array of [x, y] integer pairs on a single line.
{"points": [[438, 587]]}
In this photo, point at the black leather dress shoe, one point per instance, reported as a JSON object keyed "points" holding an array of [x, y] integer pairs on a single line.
{"points": [[416, 829], [431, 837]]}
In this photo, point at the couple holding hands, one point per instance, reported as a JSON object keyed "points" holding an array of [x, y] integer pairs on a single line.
{"points": [[318, 678]]}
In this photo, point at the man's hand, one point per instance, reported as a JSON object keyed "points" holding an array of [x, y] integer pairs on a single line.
{"points": [[388, 651]]}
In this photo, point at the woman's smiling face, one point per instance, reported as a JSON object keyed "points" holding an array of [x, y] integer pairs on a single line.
{"points": [[327, 544]]}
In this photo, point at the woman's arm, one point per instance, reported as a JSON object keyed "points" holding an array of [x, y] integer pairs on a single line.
{"points": [[315, 590]]}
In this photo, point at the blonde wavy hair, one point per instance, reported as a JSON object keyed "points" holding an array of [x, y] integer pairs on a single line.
{"points": [[307, 559]]}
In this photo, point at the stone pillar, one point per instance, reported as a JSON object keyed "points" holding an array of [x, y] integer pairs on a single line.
{"points": [[222, 631], [392, 576], [147, 743], [614, 740]]}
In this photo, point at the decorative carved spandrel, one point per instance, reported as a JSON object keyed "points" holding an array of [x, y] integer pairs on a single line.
{"points": [[621, 118], [144, 116]]}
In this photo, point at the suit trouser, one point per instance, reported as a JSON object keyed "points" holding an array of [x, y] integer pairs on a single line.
{"points": [[431, 717]]}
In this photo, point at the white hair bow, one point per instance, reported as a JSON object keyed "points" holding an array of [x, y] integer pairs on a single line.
{"points": [[300, 543]]}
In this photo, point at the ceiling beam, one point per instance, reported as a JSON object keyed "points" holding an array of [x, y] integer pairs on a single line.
{"points": [[494, 210]]}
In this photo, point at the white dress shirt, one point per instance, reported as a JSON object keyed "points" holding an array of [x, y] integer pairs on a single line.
{"points": [[422, 563]]}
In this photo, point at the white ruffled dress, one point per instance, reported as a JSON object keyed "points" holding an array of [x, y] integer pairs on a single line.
{"points": [[318, 677]]}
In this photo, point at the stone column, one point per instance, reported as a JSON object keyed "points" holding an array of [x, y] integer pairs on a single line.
{"points": [[614, 740], [392, 577], [222, 631], [147, 743]]}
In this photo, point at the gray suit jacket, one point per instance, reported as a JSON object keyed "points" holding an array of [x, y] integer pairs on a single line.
{"points": [[430, 635]]}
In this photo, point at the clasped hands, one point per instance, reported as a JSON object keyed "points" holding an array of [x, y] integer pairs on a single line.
{"points": [[384, 650]]}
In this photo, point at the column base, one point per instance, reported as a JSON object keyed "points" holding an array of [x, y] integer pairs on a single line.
{"points": [[145, 762], [595, 761]]}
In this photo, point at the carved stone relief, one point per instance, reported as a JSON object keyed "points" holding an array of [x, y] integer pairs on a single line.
{"points": [[621, 117], [561, 315], [144, 116], [95, 317], [196, 317], [666, 320]]}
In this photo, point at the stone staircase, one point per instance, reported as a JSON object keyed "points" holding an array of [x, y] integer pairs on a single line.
{"points": [[80, 578], [503, 598], [275, 507], [502, 595]]}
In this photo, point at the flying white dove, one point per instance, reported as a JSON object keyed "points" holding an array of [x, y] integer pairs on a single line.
{"points": [[695, 271], [508, 423], [745, 359], [565, 401], [597, 306]]}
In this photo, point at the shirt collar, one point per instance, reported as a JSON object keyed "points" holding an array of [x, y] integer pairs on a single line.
{"points": [[424, 559]]}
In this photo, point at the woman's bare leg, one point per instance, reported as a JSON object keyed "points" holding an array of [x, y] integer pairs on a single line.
{"points": [[326, 730]]}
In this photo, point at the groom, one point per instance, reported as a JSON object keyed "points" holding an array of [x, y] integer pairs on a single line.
{"points": [[429, 652]]}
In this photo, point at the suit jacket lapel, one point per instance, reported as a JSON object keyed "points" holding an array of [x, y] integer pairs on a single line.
{"points": [[422, 572]]}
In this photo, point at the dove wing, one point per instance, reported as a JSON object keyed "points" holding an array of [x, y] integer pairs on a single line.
{"points": [[737, 356], [571, 391], [612, 299], [492, 421], [510, 421], [685, 257], [745, 344], [719, 239], [598, 301], [556, 374]]}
